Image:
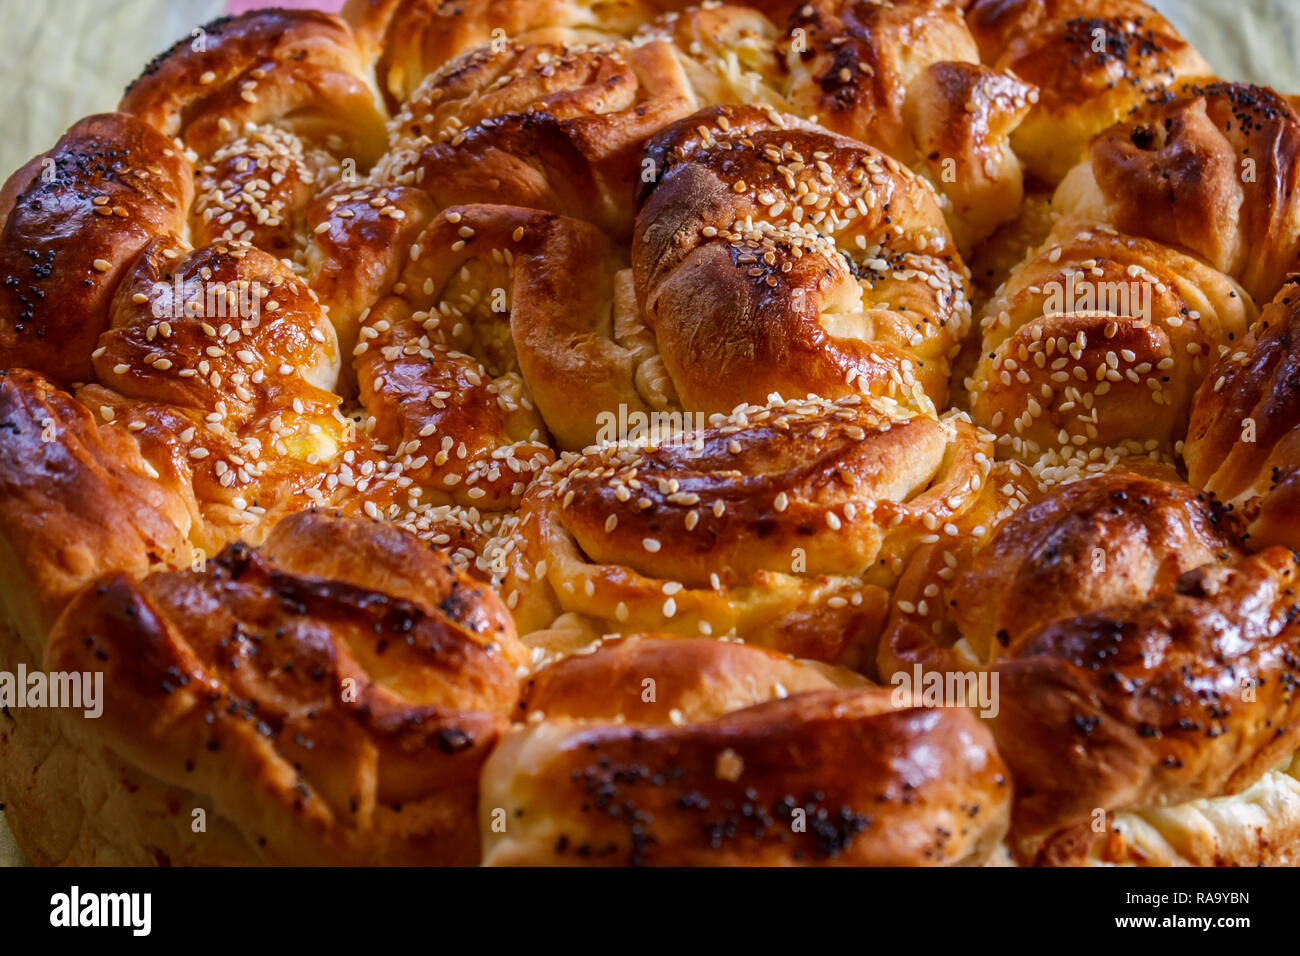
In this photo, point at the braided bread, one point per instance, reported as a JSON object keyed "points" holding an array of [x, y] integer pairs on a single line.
{"points": [[1208, 168], [339, 719], [860, 285], [1091, 61], [1243, 444], [747, 763], [1098, 339], [545, 433], [784, 524]]}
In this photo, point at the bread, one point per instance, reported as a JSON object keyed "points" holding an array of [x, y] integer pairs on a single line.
{"points": [[1219, 150], [80, 500], [1099, 338], [1101, 608], [784, 524], [1091, 61], [561, 433], [906, 78], [299, 71], [869, 291], [1243, 444], [727, 745], [1179, 708], [141, 188], [333, 721]]}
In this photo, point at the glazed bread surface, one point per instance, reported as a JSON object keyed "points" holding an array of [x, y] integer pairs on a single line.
{"points": [[846, 432]]}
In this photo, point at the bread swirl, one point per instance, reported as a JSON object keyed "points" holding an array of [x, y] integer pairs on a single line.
{"points": [[1091, 62], [905, 77], [817, 777], [545, 125], [1243, 444], [1165, 701], [299, 70], [1133, 583], [1099, 339], [840, 259], [326, 720], [80, 501], [1208, 168], [107, 188], [784, 524]]}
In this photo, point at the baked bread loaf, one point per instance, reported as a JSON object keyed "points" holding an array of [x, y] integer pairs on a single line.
{"points": [[572, 433], [1243, 444], [598, 774]]}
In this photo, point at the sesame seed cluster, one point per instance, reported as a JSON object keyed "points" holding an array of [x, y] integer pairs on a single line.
{"points": [[793, 507]]}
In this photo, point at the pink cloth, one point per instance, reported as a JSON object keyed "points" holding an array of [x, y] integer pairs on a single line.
{"points": [[243, 6]]}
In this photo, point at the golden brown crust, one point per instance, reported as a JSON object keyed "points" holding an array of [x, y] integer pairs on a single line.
{"points": [[420, 36], [1209, 168], [1085, 546], [220, 361], [76, 500], [904, 77], [664, 678], [771, 256], [361, 237], [109, 186], [730, 53], [784, 524], [226, 315], [1244, 440], [329, 722], [521, 310], [551, 126], [384, 558], [1184, 696], [1100, 338], [1091, 60], [962, 116], [297, 68], [825, 777], [858, 60]]}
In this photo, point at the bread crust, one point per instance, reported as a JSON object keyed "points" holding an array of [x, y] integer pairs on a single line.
{"points": [[782, 524], [1091, 61], [843, 760], [299, 68], [107, 188], [331, 721], [1167, 702], [547, 433], [1099, 338], [720, 245], [1209, 168], [78, 501], [1243, 443]]}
